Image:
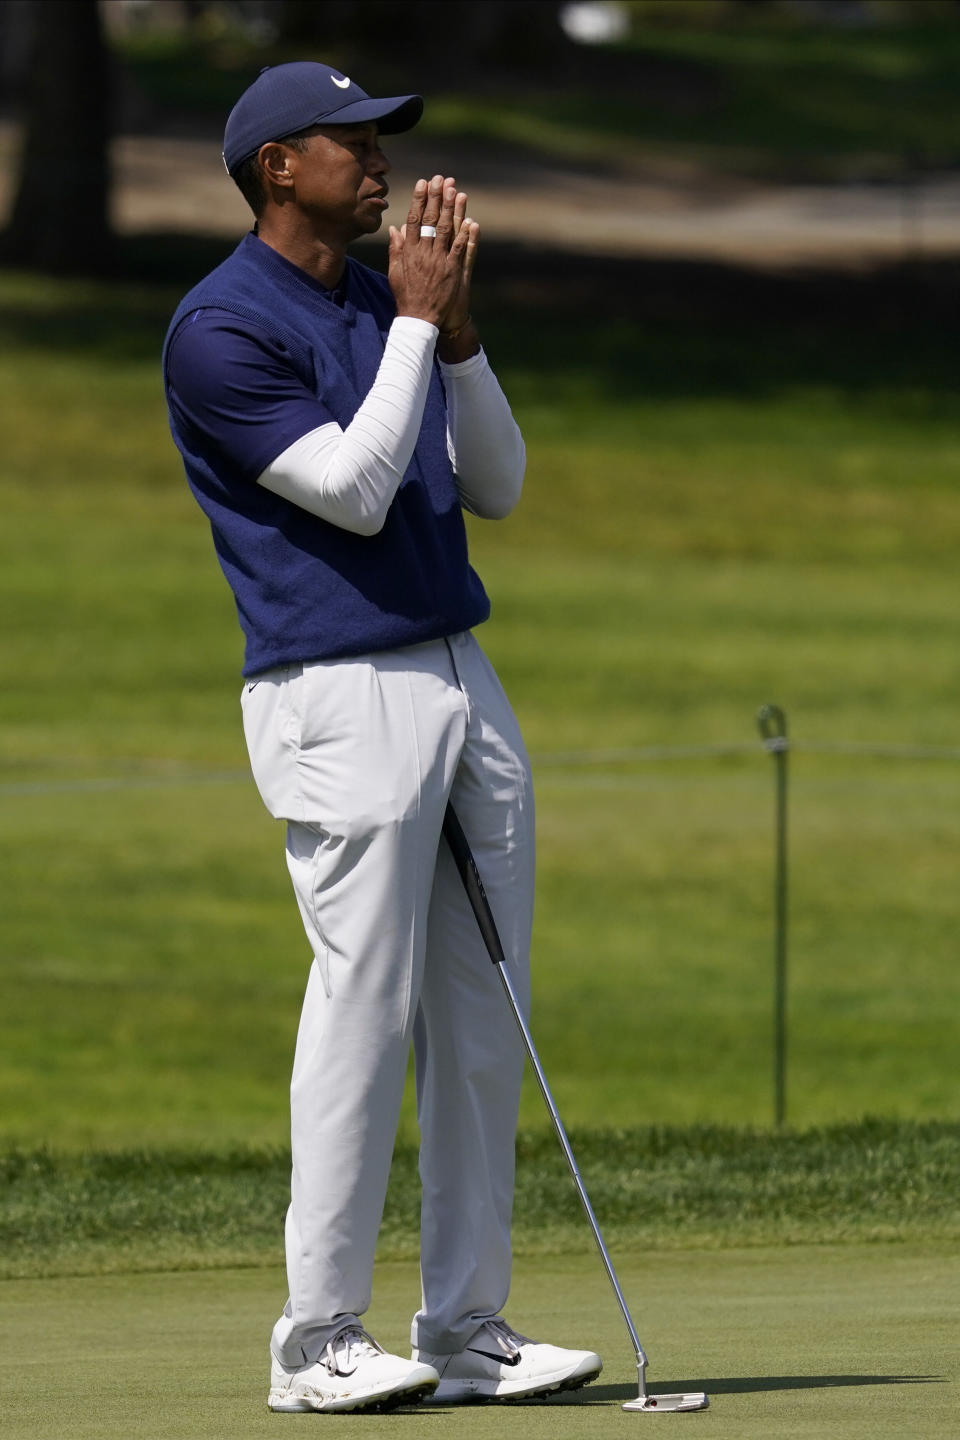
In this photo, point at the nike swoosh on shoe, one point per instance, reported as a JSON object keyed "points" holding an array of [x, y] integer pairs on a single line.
{"points": [[501, 1359]]}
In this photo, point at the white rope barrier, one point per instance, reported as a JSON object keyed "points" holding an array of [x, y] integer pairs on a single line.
{"points": [[546, 762]]}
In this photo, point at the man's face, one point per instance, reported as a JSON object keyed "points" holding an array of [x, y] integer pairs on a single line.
{"points": [[340, 180]]}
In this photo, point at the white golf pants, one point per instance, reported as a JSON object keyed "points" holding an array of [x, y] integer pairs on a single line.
{"points": [[359, 757]]}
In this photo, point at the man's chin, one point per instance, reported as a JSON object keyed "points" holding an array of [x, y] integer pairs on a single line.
{"points": [[369, 214], [364, 225]]}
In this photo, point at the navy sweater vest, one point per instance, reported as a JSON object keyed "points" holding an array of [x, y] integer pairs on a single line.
{"points": [[306, 589]]}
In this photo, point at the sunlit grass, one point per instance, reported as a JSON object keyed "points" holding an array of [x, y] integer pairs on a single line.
{"points": [[711, 521]]}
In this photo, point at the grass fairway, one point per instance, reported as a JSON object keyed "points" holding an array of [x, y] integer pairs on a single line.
{"points": [[854, 1343], [740, 489]]}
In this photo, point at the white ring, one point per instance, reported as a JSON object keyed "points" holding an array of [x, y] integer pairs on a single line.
{"points": [[428, 232]]}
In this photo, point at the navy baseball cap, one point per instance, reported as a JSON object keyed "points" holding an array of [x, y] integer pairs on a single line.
{"points": [[286, 98]]}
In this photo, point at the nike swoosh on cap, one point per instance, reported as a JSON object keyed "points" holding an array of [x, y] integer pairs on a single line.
{"points": [[343, 84]]}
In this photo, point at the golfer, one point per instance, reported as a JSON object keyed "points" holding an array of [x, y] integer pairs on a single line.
{"points": [[334, 425]]}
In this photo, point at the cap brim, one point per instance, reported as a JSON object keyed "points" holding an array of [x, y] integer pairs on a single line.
{"points": [[393, 116]]}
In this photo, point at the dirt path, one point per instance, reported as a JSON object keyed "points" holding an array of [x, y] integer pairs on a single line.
{"points": [[165, 184]]}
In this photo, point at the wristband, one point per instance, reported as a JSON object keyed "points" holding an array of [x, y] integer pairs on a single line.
{"points": [[452, 334]]}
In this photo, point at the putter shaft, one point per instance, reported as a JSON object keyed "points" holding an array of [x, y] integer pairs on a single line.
{"points": [[470, 875], [574, 1169]]}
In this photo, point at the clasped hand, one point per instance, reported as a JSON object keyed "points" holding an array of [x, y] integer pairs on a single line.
{"points": [[430, 275]]}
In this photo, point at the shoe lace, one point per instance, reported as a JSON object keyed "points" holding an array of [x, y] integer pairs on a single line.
{"points": [[508, 1339], [346, 1347]]}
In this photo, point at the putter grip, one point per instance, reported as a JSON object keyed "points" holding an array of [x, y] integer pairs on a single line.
{"points": [[470, 875]]}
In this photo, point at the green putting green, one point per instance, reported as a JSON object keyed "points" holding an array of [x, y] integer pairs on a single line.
{"points": [[820, 1341]]}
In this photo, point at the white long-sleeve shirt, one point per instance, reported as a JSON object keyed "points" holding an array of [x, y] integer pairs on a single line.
{"points": [[349, 477]]}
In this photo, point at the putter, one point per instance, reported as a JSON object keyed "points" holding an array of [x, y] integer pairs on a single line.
{"points": [[470, 875]]}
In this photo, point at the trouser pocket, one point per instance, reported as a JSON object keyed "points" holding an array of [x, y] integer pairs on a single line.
{"points": [[271, 709]]}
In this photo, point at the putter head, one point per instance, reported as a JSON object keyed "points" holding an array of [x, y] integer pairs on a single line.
{"points": [[662, 1404]]}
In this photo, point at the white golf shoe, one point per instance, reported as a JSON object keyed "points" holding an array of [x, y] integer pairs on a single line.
{"points": [[352, 1373], [499, 1364]]}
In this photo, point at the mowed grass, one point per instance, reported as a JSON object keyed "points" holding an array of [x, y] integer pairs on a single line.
{"points": [[853, 1342], [740, 490]]}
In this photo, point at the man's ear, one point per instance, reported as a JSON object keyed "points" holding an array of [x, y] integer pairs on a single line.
{"points": [[275, 163]]}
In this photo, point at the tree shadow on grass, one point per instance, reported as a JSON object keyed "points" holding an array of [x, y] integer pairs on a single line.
{"points": [[565, 325]]}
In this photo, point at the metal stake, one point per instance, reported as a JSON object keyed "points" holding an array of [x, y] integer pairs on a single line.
{"points": [[772, 723]]}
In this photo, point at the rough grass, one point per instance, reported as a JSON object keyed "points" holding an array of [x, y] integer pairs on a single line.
{"points": [[662, 1188]]}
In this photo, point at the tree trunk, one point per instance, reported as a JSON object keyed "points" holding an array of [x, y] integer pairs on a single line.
{"points": [[60, 220]]}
